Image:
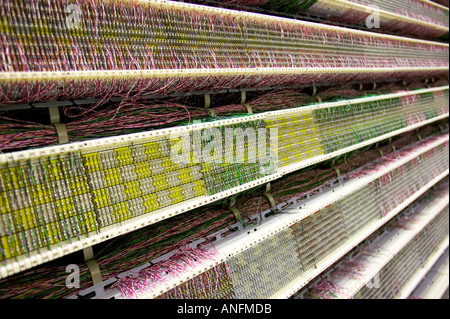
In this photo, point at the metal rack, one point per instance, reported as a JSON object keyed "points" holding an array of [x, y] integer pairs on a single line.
{"points": [[60, 200]]}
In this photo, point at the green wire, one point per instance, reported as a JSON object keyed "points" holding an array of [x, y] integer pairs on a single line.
{"points": [[14, 247], [46, 233]]}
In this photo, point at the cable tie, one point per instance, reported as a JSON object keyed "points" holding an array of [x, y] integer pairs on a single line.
{"points": [[212, 112], [418, 135], [380, 151], [392, 145], [338, 172]]}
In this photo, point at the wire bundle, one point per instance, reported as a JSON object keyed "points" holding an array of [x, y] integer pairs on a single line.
{"points": [[113, 121], [396, 273], [213, 283], [324, 289], [148, 279], [132, 117], [374, 167], [355, 267], [274, 100], [128, 35]]}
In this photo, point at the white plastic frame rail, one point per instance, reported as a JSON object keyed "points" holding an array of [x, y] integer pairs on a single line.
{"points": [[237, 243], [36, 258], [389, 245], [179, 73]]}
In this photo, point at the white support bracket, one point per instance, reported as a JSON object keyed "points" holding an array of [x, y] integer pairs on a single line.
{"points": [[56, 121], [92, 264]]}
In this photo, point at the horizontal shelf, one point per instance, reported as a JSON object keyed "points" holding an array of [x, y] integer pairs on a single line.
{"points": [[436, 4], [238, 14], [436, 282], [384, 14], [389, 244], [355, 240], [412, 283]]}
